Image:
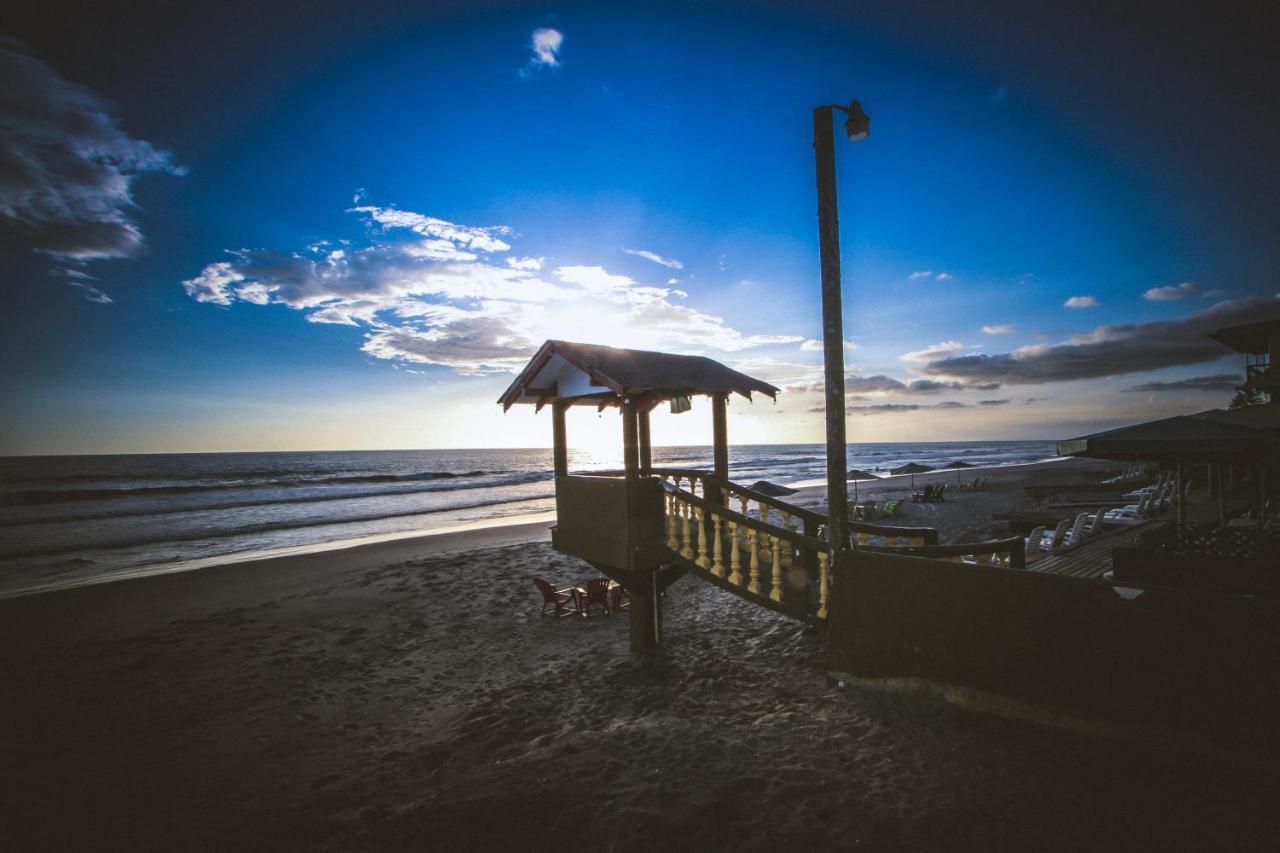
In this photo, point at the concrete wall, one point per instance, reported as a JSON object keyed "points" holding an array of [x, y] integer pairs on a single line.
{"points": [[1163, 657]]}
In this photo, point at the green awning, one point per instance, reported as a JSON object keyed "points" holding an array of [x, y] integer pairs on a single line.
{"points": [[1185, 438]]}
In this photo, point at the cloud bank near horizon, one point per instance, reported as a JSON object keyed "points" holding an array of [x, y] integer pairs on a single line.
{"points": [[1108, 350]]}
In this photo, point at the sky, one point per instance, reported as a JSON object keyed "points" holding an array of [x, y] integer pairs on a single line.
{"points": [[248, 228]]}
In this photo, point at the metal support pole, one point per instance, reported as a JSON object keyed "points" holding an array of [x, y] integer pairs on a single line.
{"points": [[832, 328]]}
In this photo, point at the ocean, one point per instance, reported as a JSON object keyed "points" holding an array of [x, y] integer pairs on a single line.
{"points": [[71, 520]]}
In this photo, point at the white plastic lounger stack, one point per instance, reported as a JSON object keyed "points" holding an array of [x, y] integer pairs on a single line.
{"points": [[1054, 539], [1132, 514]]}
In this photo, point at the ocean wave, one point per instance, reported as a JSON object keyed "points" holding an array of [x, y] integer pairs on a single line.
{"points": [[280, 499], [135, 541], [30, 497]]}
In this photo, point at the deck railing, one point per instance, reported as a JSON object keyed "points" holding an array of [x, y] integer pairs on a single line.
{"points": [[887, 536], [742, 522], [1003, 553], [758, 557]]}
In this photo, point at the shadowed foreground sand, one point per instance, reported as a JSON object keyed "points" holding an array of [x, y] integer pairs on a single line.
{"points": [[356, 701]]}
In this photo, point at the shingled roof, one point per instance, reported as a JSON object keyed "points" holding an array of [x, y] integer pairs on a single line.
{"points": [[566, 371]]}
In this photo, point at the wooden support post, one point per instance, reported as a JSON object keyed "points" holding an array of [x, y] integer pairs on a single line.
{"points": [[646, 612], [720, 438], [1222, 499], [1262, 496], [1182, 510], [646, 447], [630, 440], [646, 615], [560, 451]]}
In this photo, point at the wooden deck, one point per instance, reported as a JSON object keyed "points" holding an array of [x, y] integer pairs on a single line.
{"points": [[1092, 558]]}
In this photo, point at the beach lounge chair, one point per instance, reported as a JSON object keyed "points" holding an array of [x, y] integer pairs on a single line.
{"points": [[940, 494], [1054, 539], [1095, 522], [1076, 534], [1034, 538], [563, 602], [923, 497], [1132, 514]]}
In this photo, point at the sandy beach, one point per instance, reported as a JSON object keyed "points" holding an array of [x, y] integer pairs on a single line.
{"points": [[407, 695]]}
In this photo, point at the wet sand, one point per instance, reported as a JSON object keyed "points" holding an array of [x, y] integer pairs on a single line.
{"points": [[407, 695]]}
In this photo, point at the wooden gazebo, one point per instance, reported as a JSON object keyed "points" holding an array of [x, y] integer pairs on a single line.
{"points": [[617, 523]]}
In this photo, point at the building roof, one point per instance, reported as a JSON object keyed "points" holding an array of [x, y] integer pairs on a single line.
{"points": [[1184, 437], [1253, 338], [562, 370]]}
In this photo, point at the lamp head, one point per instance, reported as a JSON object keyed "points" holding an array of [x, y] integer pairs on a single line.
{"points": [[858, 123]]}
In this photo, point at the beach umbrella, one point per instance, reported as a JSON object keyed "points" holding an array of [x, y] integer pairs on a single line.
{"points": [[958, 464], [773, 490], [911, 468], [857, 474]]}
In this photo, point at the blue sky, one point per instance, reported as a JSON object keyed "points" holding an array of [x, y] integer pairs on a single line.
{"points": [[347, 231]]}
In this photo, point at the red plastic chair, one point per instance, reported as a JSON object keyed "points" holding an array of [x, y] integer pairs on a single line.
{"points": [[563, 602], [596, 592]]}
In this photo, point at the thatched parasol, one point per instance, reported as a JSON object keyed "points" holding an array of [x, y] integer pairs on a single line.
{"points": [[911, 468], [958, 464], [773, 490], [856, 474]]}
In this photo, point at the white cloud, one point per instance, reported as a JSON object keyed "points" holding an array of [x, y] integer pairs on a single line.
{"points": [[546, 44], [1081, 302], [430, 291], [670, 263], [91, 293], [945, 276], [921, 274], [1172, 292], [66, 167], [945, 349], [998, 329]]}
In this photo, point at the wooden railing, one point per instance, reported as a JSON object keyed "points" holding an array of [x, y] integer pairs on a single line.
{"points": [[736, 547], [1005, 553], [891, 537]]}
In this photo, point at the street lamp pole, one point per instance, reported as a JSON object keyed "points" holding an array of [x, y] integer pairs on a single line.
{"points": [[857, 127]]}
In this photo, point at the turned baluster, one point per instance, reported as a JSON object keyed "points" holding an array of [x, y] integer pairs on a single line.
{"points": [[863, 538], [717, 557], [776, 593], [702, 560], [753, 585], [672, 542], [686, 534], [743, 500], [787, 549], [824, 583], [735, 561], [916, 541], [891, 541]]}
